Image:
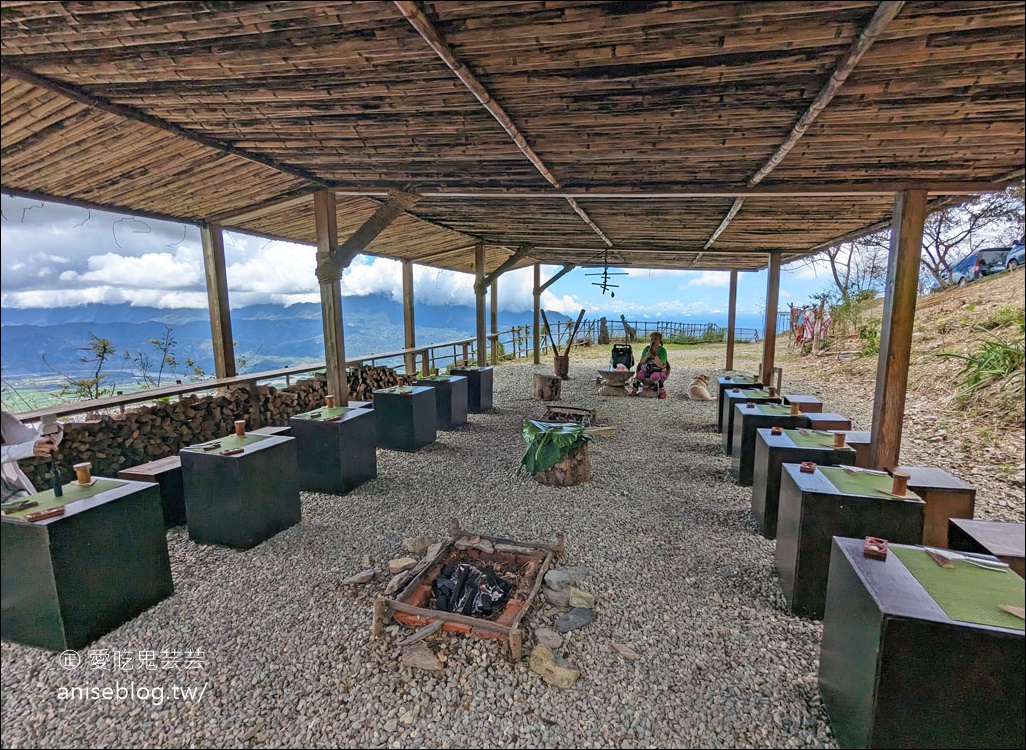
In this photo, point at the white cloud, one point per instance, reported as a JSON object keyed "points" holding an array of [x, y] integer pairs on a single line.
{"points": [[715, 279], [173, 270]]}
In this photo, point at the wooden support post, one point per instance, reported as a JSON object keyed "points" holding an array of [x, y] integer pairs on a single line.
{"points": [[329, 277], [731, 320], [896, 328], [769, 344], [409, 328], [537, 317], [494, 304], [217, 301], [479, 295]]}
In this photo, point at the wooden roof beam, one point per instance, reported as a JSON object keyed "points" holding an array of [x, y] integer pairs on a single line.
{"points": [[862, 189], [523, 251], [884, 14], [947, 201], [567, 268], [419, 20], [339, 257], [79, 94]]}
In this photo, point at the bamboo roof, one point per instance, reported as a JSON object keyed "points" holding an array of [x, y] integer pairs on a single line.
{"points": [[670, 134]]}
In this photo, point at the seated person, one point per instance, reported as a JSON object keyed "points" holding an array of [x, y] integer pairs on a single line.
{"points": [[20, 441], [654, 365]]}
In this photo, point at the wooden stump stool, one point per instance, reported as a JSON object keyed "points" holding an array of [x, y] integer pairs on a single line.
{"points": [[575, 468], [546, 387]]}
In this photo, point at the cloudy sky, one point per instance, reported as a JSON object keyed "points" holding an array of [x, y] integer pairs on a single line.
{"points": [[61, 256]]}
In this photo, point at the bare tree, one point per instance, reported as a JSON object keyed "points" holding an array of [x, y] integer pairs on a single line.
{"points": [[860, 265]]}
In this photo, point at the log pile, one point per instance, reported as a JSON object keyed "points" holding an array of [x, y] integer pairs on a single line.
{"points": [[112, 442], [574, 468], [363, 381]]}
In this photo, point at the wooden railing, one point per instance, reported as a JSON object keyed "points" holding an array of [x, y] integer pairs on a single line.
{"points": [[513, 343]]}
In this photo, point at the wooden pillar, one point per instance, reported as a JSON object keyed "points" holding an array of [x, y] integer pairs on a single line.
{"points": [[769, 344], [896, 328], [537, 313], [479, 295], [731, 320], [410, 331], [494, 303], [329, 277], [217, 300]]}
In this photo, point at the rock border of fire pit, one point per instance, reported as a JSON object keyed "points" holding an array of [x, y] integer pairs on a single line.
{"points": [[385, 607]]}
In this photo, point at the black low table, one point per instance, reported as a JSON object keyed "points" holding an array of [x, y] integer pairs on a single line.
{"points": [[725, 383], [946, 497], [450, 399], [897, 671], [479, 387], [827, 503], [242, 499], [790, 447], [732, 399], [336, 448], [747, 419], [70, 579], [1006, 541], [806, 404], [405, 417], [828, 420]]}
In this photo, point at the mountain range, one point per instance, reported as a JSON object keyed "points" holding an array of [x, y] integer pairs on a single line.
{"points": [[266, 336]]}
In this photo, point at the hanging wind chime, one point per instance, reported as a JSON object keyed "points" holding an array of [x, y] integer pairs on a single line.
{"points": [[604, 285]]}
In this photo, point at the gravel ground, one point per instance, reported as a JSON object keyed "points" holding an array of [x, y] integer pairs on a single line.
{"points": [[287, 659]]}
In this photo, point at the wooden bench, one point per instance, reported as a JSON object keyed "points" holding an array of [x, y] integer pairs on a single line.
{"points": [[167, 473], [279, 430], [806, 404]]}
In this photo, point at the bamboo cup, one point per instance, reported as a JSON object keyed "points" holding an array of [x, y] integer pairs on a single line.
{"points": [[82, 472], [772, 391], [900, 485], [240, 427], [839, 439], [329, 400], [795, 409]]}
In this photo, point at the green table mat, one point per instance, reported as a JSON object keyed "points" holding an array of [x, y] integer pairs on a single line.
{"points": [[443, 378], [228, 443], [72, 492], [774, 410], [967, 593], [860, 483], [319, 415], [741, 380], [814, 440], [755, 393]]}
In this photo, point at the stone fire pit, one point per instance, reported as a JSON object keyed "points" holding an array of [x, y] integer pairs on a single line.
{"points": [[525, 562]]}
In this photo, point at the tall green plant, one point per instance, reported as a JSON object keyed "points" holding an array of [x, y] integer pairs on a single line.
{"points": [[996, 363]]}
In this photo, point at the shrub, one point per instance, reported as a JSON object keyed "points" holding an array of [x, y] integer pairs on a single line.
{"points": [[869, 335]]}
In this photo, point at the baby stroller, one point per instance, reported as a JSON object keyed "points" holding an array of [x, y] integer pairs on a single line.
{"points": [[623, 354]]}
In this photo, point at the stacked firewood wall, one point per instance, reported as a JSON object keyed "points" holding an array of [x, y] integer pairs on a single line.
{"points": [[139, 435]]}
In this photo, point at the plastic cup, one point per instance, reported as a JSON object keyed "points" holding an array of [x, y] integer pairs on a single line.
{"points": [[240, 427], [329, 400]]}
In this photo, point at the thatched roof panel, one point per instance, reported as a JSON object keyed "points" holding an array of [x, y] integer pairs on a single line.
{"points": [[195, 110]]}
